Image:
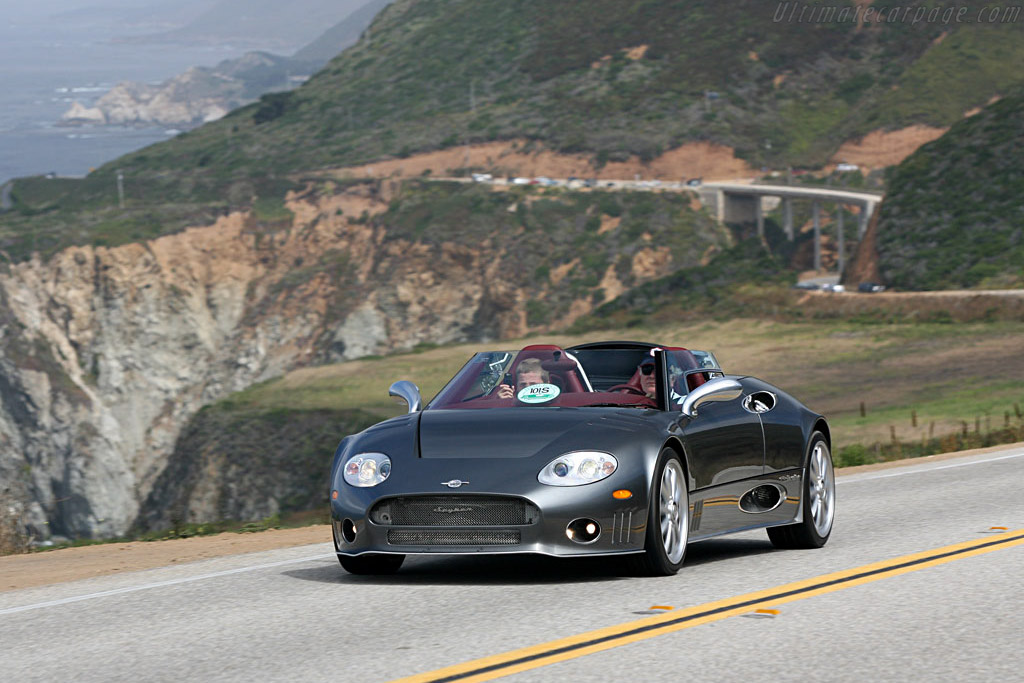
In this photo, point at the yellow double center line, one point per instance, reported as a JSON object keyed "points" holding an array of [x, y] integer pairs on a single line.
{"points": [[561, 650]]}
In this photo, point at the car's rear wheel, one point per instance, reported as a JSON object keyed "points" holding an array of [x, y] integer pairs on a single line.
{"points": [[819, 502], [668, 519], [371, 564]]}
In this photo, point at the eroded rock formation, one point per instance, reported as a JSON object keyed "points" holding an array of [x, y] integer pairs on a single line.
{"points": [[107, 352]]}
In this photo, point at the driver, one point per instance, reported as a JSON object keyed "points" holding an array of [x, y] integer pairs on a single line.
{"points": [[528, 373], [649, 383], [647, 378]]}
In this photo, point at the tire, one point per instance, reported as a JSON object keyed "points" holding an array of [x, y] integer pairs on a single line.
{"points": [[371, 564], [668, 519], [818, 501]]}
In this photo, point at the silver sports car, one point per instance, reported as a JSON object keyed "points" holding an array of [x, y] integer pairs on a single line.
{"points": [[609, 448]]}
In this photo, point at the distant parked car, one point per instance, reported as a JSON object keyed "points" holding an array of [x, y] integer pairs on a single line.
{"points": [[694, 182], [544, 180], [844, 167], [482, 177], [811, 286], [520, 181], [870, 287], [838, 289]]}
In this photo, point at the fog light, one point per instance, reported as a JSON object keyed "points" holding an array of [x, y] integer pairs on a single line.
{"points": [[583, 531], [348, 531]]}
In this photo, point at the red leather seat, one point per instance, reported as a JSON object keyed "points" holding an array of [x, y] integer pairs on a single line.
{"points": [[687, 361], [561, 370]]}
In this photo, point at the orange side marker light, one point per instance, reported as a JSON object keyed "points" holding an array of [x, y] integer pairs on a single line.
{"points": [[334, 495], [622, 494]]}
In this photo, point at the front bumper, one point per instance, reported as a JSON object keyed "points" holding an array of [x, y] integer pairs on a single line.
{"points": [[622, 523]]}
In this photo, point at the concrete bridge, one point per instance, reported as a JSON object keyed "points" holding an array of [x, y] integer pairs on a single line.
{"points": [[739, 203]]}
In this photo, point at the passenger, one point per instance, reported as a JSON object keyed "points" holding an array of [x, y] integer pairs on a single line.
{"points": [[528, 373]]}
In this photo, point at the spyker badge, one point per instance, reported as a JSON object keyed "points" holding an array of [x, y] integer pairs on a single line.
{"points": [[454, 483]]}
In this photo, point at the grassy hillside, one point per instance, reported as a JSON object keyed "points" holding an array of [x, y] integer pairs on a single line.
{"points": [[343, 34], [953, 216], [277, 456], [636, 78], [605, 78], [267, 449]]}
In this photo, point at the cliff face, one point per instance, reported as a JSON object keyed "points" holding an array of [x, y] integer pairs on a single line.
{"points": [[107, 352], [194, 97]]}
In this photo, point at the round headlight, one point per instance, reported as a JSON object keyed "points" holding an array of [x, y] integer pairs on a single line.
{"points": [[588, 468], [367, 469], [578, 468]]}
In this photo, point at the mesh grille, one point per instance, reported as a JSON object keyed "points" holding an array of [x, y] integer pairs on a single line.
{"points": [[452, 537], [445, 511], [765, 496]]}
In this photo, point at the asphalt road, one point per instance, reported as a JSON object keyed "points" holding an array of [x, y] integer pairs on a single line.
{"points": [[953, 614]]}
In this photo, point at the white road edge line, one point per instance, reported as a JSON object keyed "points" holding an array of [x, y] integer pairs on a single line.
{"points": [[160, 584], [917, 469]]}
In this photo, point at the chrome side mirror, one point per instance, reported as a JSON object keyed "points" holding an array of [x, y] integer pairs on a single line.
{"points": [[408, 392], [720, 389]]}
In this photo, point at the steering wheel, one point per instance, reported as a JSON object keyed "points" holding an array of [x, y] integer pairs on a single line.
{"points": [[627, 387]]}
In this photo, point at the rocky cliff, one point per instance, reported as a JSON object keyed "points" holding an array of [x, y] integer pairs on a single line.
{"points": [[203, 94], [197, 96], [107, 352]]}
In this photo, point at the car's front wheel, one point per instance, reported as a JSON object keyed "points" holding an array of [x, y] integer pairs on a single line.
{"points": [[371, 564], [668, 519], [819, 502]]}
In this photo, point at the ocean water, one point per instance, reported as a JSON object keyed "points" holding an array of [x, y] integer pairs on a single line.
{"points": [[44, 67]]}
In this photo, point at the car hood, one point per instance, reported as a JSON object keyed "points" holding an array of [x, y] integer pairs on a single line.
{"points": [[514, 432]]}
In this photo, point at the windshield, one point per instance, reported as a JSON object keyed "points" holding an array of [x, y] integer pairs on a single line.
{"points": [[631, 375], [550, 376]]}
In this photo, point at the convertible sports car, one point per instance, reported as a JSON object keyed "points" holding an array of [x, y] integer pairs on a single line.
{"points": [[610, 448]]}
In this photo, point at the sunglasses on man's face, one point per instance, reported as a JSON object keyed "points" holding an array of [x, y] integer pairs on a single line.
{"points": [[647, 369]]}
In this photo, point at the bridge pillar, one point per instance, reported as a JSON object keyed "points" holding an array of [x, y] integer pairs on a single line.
{"points": [[866, 211], [759, 216], [740, 208], [842, 238], [816, 213], [787, 217]]}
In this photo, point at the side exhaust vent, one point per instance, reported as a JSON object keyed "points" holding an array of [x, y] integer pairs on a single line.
{"points": [[764, 498]]}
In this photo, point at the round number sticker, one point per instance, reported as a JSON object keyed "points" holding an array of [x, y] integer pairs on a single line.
{"points": [[538, 393]]}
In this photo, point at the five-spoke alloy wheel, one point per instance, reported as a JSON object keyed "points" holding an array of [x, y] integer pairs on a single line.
{"points": [[668, 520]]}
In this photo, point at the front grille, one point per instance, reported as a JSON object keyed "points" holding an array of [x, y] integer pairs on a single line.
{"points": [[453, 537], [446, 511]]}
